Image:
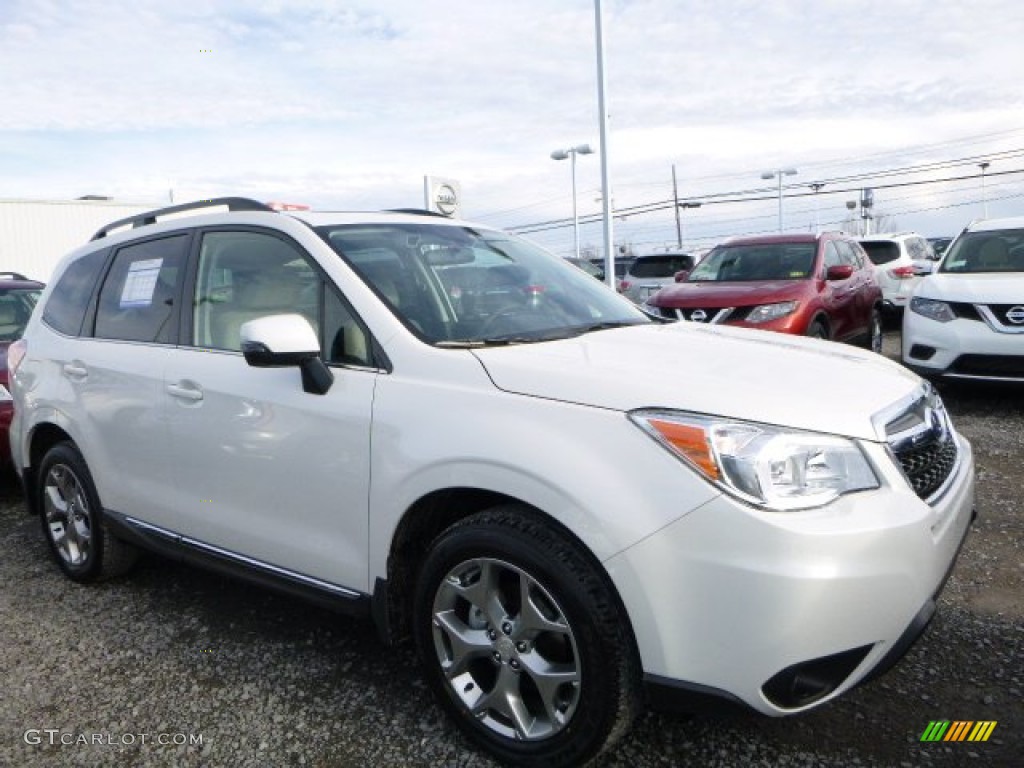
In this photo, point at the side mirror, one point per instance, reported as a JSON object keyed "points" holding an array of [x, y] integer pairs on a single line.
{"points": [[681, 275], [839, 272], [282, 341]]}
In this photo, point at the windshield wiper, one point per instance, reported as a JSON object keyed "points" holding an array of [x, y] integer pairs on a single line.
{"points": [[606, 325]]}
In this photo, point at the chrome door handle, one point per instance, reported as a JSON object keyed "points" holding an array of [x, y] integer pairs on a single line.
{"points": [[185, 392], [75, 371]]}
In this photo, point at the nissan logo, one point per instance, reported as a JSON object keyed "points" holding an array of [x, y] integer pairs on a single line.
{"points": [[1015, 315], [446, 200], [698, 316]]}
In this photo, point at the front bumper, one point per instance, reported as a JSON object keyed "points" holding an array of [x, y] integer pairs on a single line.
{"points": [[755, 609], [962, 348]]}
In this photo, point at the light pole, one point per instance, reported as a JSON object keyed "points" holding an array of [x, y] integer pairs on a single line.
{"points": [[562, 154], [816, 186], [984, 197], [681, 221], [780, 172]]}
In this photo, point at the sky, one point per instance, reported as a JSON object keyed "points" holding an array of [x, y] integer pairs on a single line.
{"points": [[348, 105]]}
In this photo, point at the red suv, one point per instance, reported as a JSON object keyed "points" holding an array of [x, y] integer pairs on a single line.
{"points": [[815, 285], [18, 296]]}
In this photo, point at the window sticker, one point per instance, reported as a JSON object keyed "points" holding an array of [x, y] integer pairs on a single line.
{"points": [[140, 283]]}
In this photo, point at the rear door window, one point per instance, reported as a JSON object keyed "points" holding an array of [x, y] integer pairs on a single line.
{"points": [[138, 300]]}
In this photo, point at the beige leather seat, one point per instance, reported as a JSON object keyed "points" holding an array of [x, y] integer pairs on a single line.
{"points": [[256, 294]]}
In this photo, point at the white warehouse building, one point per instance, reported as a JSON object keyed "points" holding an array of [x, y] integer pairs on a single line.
{"points": [[36, 234]]}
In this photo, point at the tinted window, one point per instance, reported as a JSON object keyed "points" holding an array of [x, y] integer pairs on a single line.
{"points": [[69, 299], [881, 251], [137, 298], [660, 266], [16, 307]]}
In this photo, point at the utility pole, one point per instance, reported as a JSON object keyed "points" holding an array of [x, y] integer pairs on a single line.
{"points": [[675, 199]]}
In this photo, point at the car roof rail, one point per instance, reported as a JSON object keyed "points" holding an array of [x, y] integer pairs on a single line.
{"points": [[151, 217], [417, 212], [12, 276]]}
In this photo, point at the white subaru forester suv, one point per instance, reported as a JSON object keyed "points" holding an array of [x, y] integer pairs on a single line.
{"points": [[442, 427]]}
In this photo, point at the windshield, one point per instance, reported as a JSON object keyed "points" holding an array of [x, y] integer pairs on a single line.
{"points": [[455, 285], [771, 261], [998, 251], [15, 309]]}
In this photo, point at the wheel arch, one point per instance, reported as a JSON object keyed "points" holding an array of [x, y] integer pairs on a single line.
{"points": [[42, 438], [427, 518]]}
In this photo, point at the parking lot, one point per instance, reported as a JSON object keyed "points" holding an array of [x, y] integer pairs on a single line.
{"points": [[174, 666]]}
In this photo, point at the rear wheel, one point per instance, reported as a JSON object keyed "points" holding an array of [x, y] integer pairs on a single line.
{"points": [[72, 519], [523, 642]]}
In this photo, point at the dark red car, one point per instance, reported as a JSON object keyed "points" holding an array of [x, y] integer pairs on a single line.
{"points": [[18, 296], [813, 285]]}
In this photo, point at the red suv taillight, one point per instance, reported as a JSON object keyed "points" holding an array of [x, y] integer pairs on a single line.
{"points": [[902, 273], [15, 354]]}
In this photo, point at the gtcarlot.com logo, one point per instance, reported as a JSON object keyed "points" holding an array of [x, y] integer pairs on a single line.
{"points": [[958, 730], [58, 737]]}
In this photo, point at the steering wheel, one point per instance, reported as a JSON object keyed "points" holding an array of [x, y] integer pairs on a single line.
{"points": [[507, 311]]}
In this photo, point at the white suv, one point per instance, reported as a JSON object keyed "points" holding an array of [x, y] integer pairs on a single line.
{"points": [[967, 319], [441, 426], [899, 261]]}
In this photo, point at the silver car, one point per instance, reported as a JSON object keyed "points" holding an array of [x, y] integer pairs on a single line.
{"points": [[649, 274]]}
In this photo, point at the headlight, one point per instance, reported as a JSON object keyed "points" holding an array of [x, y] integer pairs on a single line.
{"points": [[766, 312], [932, 309], [770, 467], [5, 395]]}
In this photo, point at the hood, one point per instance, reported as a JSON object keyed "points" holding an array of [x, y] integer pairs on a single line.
{"points": [[981, 288], [714, 294], [739, 373]]}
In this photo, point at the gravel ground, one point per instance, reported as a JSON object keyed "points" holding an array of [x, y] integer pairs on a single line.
{"points": [[173, 654]]}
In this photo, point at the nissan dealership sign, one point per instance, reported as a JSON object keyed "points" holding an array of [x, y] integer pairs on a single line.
{"points": [[442, 195]]}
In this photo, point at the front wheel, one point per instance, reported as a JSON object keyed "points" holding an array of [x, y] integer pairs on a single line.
{"points": [[817, 330], [523, 642], [873, 338], [72, 519]]}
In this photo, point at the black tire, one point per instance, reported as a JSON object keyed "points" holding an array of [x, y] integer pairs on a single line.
{"points": [[817, 330], [72, 519], [873, 338], [578, 715]]}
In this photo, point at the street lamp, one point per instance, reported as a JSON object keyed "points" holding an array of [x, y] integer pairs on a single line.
{"points": [[562, 154], [780, 172], [816, 186], [681, 222], [984, 197]]}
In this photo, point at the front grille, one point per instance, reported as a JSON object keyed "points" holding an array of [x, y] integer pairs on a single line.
{"points": [[922, 441], [928, 467], [1011, 315], [993, 366], [698, 314]]}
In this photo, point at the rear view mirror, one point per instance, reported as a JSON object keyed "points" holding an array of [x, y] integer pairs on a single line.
{"points": [[449, 257], [839, 272], [281, 341], [681, 275]]}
